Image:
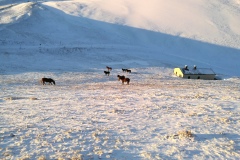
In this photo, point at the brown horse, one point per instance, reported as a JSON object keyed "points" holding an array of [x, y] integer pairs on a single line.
{"points": [[109, 68], [124, 79], [48, 80], [120, 77]]}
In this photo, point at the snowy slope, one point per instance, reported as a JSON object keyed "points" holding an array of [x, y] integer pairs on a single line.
{"points": [[215, 22], [177, 33]]}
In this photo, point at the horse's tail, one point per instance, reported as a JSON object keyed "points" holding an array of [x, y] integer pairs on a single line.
{"points": [[41, 81]]}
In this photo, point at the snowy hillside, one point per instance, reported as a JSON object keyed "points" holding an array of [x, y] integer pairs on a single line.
{"points": [[89, 115], [174, 33]]}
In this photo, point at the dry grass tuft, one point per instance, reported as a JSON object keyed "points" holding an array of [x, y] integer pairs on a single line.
{"points": [[25, 158], [10, 98], [224, 120], [192, 114], [33, 98], [77, 158], [41, 158], [185, 134], [181, 135]]}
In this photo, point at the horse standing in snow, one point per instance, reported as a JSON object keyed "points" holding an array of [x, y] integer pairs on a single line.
{"points": [[124, 70], [109, 68], [48, 80], [128, 71], [124, 79], [107, 73], [120, 77]]}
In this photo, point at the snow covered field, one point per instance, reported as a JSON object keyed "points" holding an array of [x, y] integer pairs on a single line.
{"points": [[93, 116], [88, 115]]}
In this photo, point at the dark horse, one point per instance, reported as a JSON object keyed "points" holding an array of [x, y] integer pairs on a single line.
{"points": [[123, 79], [124, 70], [129, 71], [120, 77], [49, 80], [107, 73], [109, 68]]}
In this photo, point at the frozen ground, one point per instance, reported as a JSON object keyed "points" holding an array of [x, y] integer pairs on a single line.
{"points": [[93, 116]]}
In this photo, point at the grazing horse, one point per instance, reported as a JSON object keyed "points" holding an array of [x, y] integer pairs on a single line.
{"points": [[109, 68], [120, 77], [124, 79], [107, 73], [49, 80], [129, 71], [124, 70]]}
